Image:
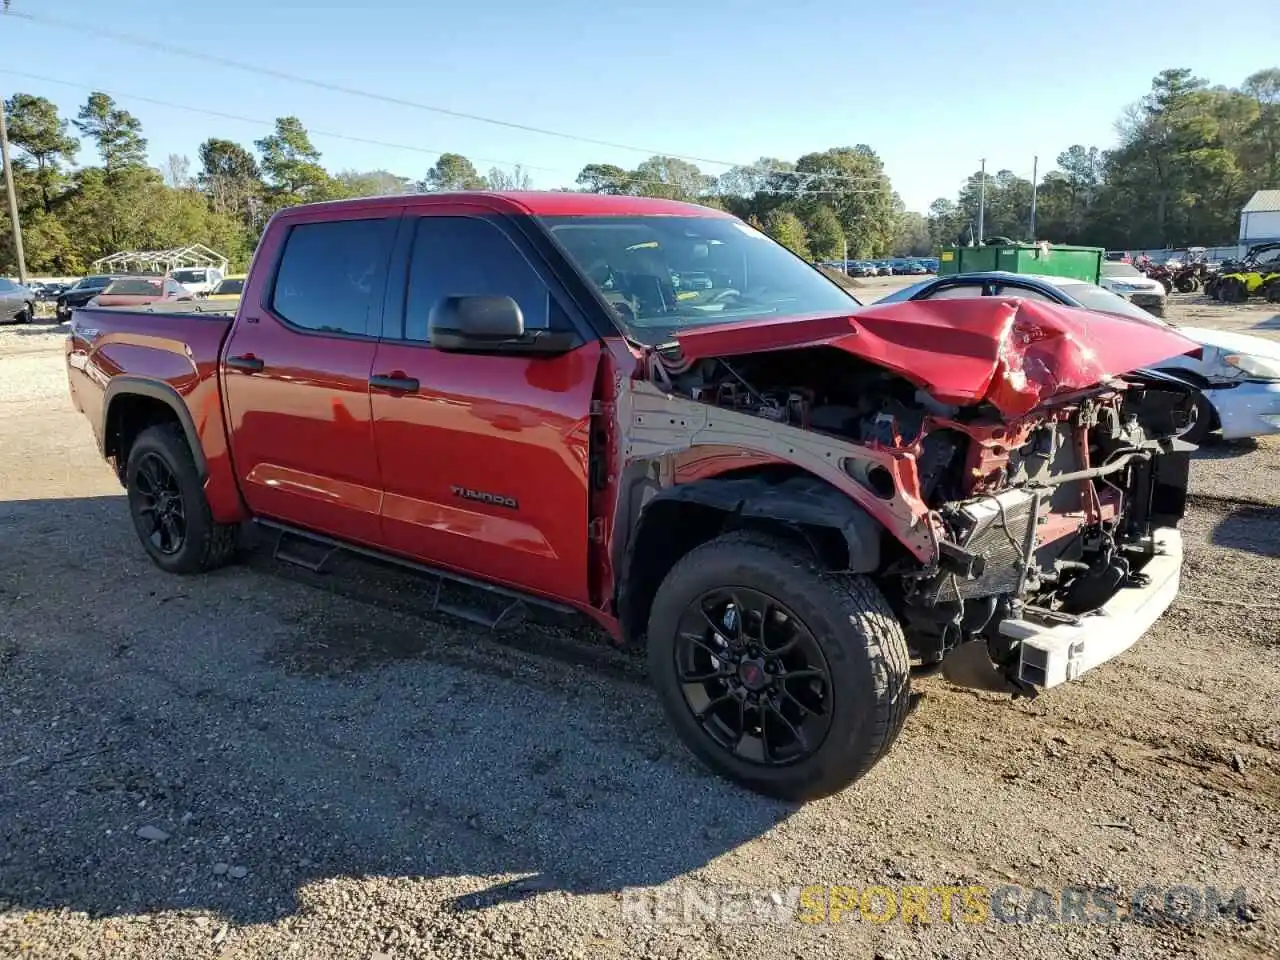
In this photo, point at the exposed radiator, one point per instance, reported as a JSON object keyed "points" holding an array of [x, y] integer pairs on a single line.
{"points": [[996, 529]]}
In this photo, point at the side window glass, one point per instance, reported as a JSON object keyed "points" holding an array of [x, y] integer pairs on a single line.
{"points": [[466, 256], [6, 285], [961, 292], [330, 275], [1024, 293]]}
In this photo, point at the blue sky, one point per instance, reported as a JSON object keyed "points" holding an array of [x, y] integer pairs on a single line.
{"points": [[931, 86]]}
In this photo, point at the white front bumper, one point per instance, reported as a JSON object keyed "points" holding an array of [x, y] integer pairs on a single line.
{"points": [[1053, 654]]}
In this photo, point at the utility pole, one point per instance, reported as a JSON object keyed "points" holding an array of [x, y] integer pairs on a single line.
{"points": [[13, 197], [982, 203], [1035, 163]]}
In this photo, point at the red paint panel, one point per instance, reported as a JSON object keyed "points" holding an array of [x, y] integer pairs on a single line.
{"points": [[302, 437], [173, 349], [1013, 354], [511, 427], [535, 203]]}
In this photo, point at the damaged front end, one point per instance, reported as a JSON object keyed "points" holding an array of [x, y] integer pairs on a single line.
{"points": [[1062, 547], [1026, 474]]}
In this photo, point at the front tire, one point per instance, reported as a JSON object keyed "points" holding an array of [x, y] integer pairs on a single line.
{"points": [[1205, 423], [788, 679], [170, 511]]}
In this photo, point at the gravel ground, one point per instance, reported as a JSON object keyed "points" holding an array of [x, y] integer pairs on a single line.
{"points": [[265, 762]]}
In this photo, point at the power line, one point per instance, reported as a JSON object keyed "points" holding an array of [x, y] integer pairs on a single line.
{"points": [[259, 121], [621, 181], [148, 43]]}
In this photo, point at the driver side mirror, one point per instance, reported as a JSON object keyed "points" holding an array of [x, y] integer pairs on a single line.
{"points": [[490, 324]]}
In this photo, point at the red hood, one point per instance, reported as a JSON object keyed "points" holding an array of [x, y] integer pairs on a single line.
{"points": [[1014, 354]]}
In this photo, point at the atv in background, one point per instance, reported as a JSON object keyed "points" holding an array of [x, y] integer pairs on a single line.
{"points": [[1257, 275]]}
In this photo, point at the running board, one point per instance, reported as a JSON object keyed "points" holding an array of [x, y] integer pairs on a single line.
{"points": [[312, 551]]}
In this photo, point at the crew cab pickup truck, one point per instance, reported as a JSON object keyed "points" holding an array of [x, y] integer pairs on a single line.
{"points": [[792, 501]]}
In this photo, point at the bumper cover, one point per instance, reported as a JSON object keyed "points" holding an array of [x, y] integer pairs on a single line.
{"points": [[1052, 654], [1250, 409]]}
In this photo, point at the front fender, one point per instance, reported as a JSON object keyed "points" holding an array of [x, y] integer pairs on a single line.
{"points": [[804, 501]]}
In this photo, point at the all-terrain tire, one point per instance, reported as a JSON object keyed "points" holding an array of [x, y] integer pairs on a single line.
{"points": [[857, 632], [206, 544]]}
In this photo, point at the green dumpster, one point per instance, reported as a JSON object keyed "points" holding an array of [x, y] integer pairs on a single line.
{"points": [[1044, 259]]}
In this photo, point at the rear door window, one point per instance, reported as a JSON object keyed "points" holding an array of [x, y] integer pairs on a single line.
{"points": [[330, 278]]}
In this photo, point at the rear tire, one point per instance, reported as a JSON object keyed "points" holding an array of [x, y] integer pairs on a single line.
{"points": [[856, 693], [170, 511]]}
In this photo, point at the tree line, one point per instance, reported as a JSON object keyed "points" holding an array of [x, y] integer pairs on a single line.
{"points": [[1189, 156]]}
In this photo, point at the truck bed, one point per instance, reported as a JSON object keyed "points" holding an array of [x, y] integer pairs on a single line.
{"points": [[174, 351]]}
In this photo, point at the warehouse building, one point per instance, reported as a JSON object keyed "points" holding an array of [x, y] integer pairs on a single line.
{"points": [[1260, 218]]}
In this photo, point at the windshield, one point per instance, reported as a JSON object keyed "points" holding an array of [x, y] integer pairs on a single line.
{"points": [[1104, 301], [133, 287], [235, 287], [91, 283], [191, 276], [662, 275], [1121, 270]]}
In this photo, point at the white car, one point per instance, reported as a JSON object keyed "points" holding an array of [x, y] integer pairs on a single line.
{"points": [[1126, 280], [1238, 375], [198, 280]]}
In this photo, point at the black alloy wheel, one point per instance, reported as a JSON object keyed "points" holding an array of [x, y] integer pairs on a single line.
{"points": [[159, 503], [753, 676], [781, 675]]}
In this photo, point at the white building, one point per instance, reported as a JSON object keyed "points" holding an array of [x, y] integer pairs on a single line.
{"points": [[1260, 218]]}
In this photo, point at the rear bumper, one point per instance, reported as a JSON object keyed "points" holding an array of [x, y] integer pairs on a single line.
{"points": [[1052, 654], [1246, 409]]}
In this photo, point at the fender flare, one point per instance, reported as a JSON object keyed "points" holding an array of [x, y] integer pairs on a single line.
{"points": [[154, 390], [800, 501]]}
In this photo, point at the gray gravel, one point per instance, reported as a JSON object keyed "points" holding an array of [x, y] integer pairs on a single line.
{"points": [[269, 763]]}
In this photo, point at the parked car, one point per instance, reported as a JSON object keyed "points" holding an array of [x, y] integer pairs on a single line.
{"points": [[1237, 376], [1126, 280], [862, 268], [884, 268], [17, 303], [931, 264], [228, 290], [139, 291], [198, 280], [770, 487], [80, 293]]}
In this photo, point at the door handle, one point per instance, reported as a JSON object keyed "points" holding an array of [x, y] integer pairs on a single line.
{"points": [[247, 362], [396, 382]]}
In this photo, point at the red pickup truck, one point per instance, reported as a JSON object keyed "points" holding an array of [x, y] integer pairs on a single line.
{"points": [[650, 413]]}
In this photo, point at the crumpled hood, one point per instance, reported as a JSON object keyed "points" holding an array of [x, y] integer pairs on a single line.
{"points": [[1014, 354], [1232, 342]]}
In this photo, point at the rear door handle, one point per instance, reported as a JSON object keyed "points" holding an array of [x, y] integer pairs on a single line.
{"points": [[400, 384], [247, 362]]}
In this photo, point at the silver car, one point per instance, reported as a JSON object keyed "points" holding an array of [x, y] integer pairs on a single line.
{"points": [[16, 302]]}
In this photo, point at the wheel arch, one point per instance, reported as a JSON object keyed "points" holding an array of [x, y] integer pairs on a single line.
{"points": [[793, 505], [131, 404]]}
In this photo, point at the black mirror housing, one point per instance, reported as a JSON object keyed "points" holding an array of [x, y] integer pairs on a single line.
{"points": [[490, 324]]}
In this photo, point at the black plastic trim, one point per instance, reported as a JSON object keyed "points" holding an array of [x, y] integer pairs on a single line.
{"points": [[155, 390], [412, 564]]}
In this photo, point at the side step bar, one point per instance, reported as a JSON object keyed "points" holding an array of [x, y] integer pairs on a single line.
{"points": [[312, 551]]}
